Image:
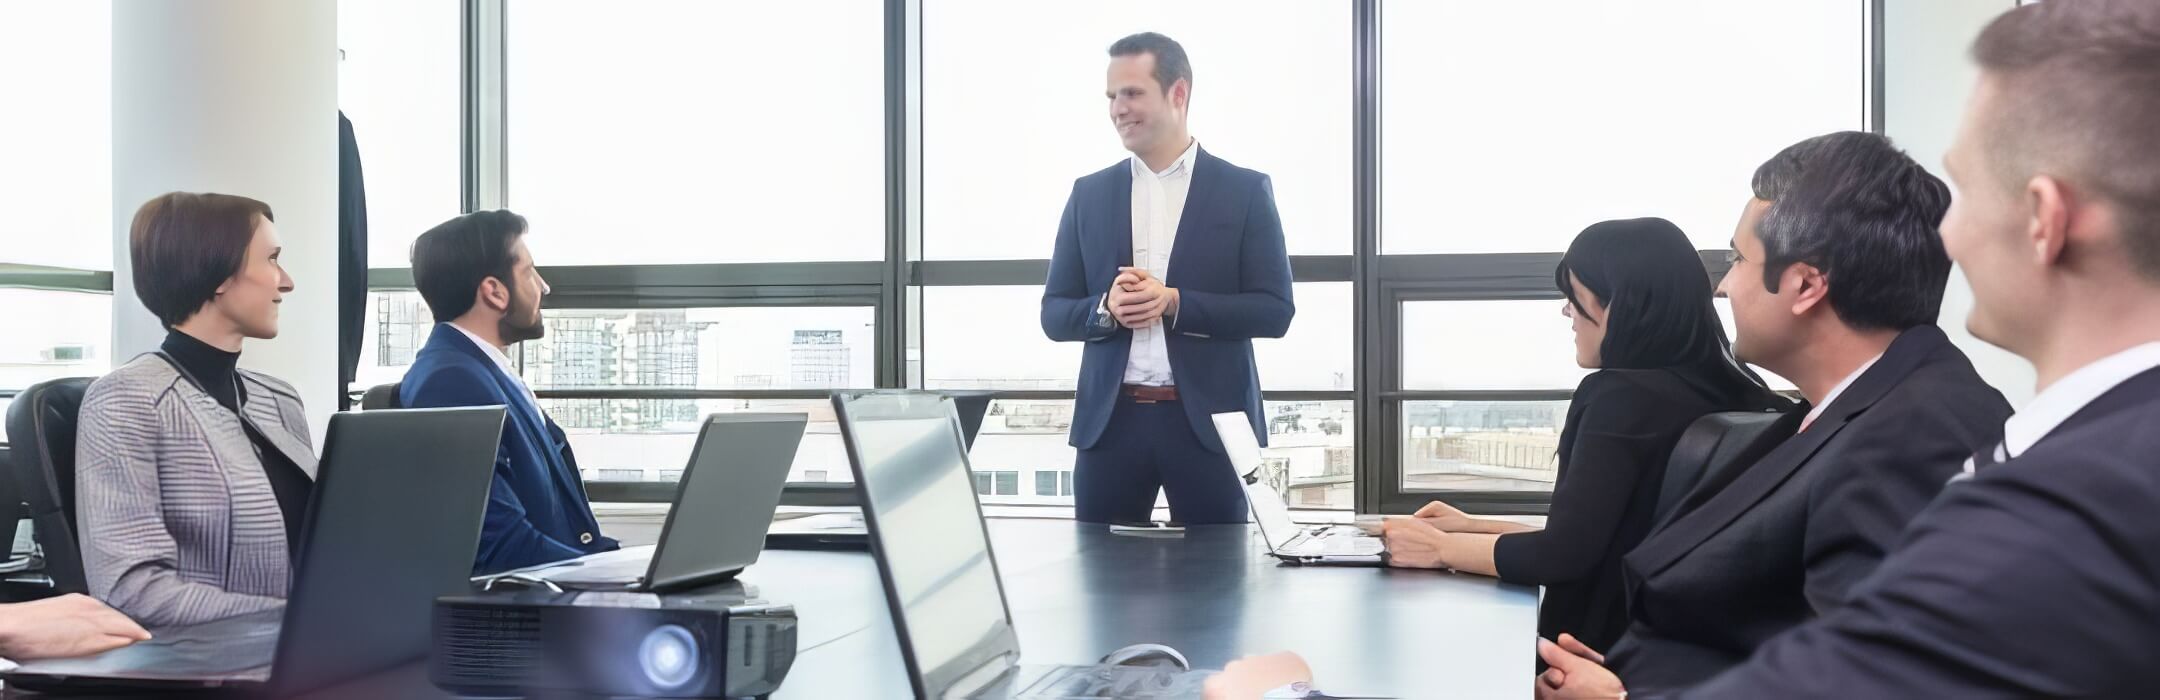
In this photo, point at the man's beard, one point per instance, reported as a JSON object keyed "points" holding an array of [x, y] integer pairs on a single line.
{"points": [[514, 332]]}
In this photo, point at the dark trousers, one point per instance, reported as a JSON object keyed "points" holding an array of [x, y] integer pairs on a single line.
{"points": [[1150, 446]]}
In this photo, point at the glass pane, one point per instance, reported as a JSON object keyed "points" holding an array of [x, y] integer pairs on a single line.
{"points": [[676, 131], [1008, 483], [1046, 483], [399, 85], [1497, 345], [1613, 110], [652, 438], [397, 325], [1311, 450], [1481, 445], [52, 335], [56, 134], [827, 347], [961, 353], [1012, 117]]}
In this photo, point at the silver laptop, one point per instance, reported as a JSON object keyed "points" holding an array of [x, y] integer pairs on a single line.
{"points": [[940, 577], [1326, 545], [392, 524], [728, 492]]}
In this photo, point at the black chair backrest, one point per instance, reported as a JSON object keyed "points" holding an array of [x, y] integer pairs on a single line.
{"points": [[380, 397], [41, 438], [1709, 449]]}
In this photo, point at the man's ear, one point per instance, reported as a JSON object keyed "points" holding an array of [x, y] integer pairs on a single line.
{"points": [[1810, 287], [494, 295]]}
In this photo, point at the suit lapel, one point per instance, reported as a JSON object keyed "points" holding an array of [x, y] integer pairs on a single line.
{"points": [[1121, 218], [1688, 530], [1204, 176], [530, 418], [264, 409]]}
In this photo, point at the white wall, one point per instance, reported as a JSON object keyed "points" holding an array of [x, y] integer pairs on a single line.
{"points": [[1927, 76], [240, 97]]}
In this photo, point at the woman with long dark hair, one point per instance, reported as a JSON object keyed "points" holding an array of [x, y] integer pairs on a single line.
{"points": [[1641, 306]]}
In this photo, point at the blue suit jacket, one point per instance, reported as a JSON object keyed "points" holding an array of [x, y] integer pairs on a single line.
{"points": [[1233, 282], [537, 511]]}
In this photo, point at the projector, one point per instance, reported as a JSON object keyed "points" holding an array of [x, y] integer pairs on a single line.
{"points": [[713, 642]]}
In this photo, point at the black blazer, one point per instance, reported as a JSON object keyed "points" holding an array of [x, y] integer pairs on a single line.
{"points": [[2039, 577], [1620, 432], [1784, 539]]}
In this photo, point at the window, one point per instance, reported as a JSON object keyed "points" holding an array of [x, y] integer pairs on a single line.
{"points": [[1488, 345], [53, 335], [1010, 118], [1304, 439], [646, 436], [56, 135], [997, 483], [1481, 445], [396, 326], [622, 475], [991, 338], [398, 83], [1053, 483], [982, 483], [673, 131], [1613, 110], [708, 348]]}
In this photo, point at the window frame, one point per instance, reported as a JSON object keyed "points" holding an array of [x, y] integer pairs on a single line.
{"points": [[894, 285]]}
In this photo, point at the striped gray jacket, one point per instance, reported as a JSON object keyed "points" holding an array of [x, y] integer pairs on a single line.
{"points": [[177, 520]]}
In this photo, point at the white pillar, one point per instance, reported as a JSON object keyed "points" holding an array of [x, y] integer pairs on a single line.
{"points": [[239, 97], [1928, 73]]}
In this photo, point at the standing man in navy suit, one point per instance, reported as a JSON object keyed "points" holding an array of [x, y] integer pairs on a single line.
{"points": [[1167, 265], [478, 279]]}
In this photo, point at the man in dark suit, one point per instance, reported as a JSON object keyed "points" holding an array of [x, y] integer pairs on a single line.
{"points": [[1160, 359], [2036, 573], [1837, 280], [478, 279]]}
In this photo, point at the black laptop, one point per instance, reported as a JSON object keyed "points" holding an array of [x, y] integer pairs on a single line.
{"points": [[846, 530], [715, 529], [392, 524], [940, 576]]}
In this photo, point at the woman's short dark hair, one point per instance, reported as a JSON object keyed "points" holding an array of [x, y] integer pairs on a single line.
{"points": [[184, 244], [1854, 206], [451, 260]]}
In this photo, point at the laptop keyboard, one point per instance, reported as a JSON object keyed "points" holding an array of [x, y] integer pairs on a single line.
{"points": [[1337, 546]]}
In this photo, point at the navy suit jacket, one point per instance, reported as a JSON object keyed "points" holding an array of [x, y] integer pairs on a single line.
{"points": [[1233, 280], [1757, 551], [2038, 577], [537, 512]]}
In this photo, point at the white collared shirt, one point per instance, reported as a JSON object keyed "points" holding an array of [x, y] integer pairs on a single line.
{"points": [[502, 361], [1816, 412], [1158, 203], [2068, 395]]}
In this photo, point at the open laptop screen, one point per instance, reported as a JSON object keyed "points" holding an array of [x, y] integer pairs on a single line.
{"points": [[1243, 449], [927, 532]]}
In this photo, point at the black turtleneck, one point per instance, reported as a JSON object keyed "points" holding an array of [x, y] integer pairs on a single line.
{"points": [[216, 371]]}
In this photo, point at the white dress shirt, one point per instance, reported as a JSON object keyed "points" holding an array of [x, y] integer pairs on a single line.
{"points": [[2067, 396], [1158, 203], [1816, 412], [501, 360]]}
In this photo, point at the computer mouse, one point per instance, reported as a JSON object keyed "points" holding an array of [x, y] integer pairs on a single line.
{"points": [[1148, 655]]}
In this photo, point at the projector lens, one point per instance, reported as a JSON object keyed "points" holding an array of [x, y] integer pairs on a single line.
{"points": [[669, 656]]}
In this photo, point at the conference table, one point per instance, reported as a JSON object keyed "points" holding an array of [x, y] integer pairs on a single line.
{"points": [[1078, 591]]}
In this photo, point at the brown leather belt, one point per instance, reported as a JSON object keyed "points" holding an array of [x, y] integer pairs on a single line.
{"points": [[1149, 394]]}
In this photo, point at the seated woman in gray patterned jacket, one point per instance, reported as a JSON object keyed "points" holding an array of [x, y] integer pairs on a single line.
{"points": [[192, 475]]}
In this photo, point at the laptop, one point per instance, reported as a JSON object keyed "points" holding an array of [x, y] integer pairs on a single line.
{"points": [[845, 530], [716, 528], [393, 522], [934, 560], [1322, 545]]}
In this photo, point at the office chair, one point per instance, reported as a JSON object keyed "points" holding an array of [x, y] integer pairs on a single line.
{"points": [[380, 397], [41, 438], [1711, 448]]}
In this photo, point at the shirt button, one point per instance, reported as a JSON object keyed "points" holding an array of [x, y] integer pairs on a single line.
{"points": [[584, 538]]}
